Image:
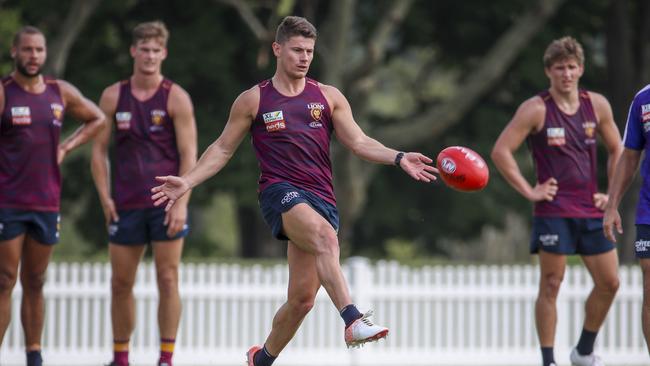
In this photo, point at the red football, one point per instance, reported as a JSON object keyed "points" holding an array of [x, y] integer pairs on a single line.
{"points": [[463, 169]]}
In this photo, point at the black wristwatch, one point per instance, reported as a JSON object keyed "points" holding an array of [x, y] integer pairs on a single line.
{"points": [[398, 158]]}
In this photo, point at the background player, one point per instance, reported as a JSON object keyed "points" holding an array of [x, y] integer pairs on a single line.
{"points": [[561, 124], [635, 141], [154, 132], [33, 107]]}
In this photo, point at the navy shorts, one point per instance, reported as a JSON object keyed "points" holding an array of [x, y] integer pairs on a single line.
{"points": [[278, 198], [41, 226], [141, 226], [642, 243], [562, 235]]}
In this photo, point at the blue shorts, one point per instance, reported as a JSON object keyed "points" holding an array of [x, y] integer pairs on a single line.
{"points": [[563, 235], [278, 198], [642, 243], [141, 226], [41, 226]]}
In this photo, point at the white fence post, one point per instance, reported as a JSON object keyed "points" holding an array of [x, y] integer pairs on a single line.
{"points": [[360, 281]]}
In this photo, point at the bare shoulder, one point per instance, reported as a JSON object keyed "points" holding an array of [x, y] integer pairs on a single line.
{"points": [[247, 103], [108, 100], [529, 117], [68, 91], [597, 98], [601, 106], [111, 93], [533, 108], [332, 94], [533, 105], [178, 94], [179, 101]]}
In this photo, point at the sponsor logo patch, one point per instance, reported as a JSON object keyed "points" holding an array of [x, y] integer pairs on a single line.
{"points": [[555, 136], [21, 116], [642, 246], [289, 197], [645, 113], [315, 124], [112, 229], [274, 121], [549, 240], [123, 120]]}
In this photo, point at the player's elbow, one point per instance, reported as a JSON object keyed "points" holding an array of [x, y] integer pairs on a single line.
{"points": [[496, 154]]}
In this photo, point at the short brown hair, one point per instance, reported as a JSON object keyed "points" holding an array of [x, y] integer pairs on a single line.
{"points": [[562, 49], [28, 29], [151, 30], [295, 26]]}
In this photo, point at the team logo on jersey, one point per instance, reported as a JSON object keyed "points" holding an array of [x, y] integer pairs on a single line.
{"points": [[21, 116], [555, 136], [57, 111], [123, 120], [590, 131], [316, 110], [274, 121], [157, 116]]}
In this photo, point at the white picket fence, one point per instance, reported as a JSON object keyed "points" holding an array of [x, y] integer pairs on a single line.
{"points": [[438, 315]]}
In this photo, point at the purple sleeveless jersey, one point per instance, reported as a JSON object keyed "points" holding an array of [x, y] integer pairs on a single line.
{"points": [[566, 149], [291, 137], [145, 146], [636, 137], [29, 137]]}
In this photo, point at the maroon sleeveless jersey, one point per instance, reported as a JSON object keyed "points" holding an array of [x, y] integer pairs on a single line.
{"points": [[291, 138], [145, 146], [565, 149], [30, 128]]}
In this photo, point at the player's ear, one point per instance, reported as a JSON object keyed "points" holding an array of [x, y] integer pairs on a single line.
{"points": [[276, 49], [132, 50]]}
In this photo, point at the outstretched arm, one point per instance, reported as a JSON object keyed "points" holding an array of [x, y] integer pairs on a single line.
{"points": [[529, 118], [83, 110], [351, 136], [215, 156]]}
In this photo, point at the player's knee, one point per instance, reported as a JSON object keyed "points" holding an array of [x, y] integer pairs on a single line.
{"points": [[121, 285], [167, 281], [302, 305], [610, 285], [550, 285], [7, 282], [32, 282]]}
